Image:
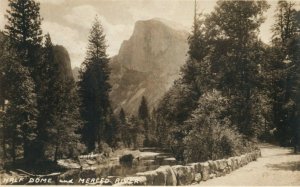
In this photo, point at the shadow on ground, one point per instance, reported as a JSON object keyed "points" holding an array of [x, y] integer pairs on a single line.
{"points": [[288, 166]]}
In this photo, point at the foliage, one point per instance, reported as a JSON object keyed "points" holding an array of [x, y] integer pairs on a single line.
{"points": [[284, 66], [94, 88], [211, 136], [24, 31], [20, 118], [143, 111]]}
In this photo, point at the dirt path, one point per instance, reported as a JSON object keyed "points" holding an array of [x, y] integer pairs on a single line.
{"points": [[277, 166]]}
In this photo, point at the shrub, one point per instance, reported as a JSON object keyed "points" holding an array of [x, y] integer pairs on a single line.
{"points": [[211, 135]]}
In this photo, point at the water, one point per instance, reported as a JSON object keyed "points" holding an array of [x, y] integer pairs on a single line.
{"points": [[115, 169], [142, 165]]}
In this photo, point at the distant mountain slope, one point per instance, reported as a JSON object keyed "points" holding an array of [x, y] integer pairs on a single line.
{"points": [[147, 64]]}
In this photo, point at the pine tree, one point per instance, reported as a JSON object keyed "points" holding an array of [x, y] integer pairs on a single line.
{"points": [[21, 113], [143, 109], [236, 53], [284, 67], [295, 122], [122, 116], [94, 88], [60, 107], [24, 29], [3, 55]]}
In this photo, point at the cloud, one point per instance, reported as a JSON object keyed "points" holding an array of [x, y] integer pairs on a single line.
{"points": [[83, 16], [2, 21], [53, 2], [69, 38], [3, 7]]}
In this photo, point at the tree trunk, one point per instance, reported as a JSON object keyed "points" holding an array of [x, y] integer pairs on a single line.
{"points": [[56, 154], [25, 149], [3, 141], [13, 148]]}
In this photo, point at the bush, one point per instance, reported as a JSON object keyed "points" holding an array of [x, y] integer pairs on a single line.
{"points": [[211, 135], [103, 148]]}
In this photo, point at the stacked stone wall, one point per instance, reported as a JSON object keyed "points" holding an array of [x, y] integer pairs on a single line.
{"points": [[192, 173]]}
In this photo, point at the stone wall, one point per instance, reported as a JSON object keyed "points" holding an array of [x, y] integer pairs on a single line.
{"points": [[192, 173]]}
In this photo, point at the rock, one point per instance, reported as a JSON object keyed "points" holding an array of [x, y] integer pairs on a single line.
{"points": [[169, 161], [165, 176], [212, 165], [148, 162], [211, 176], [159, 179], [229, 162], [68, 163], [222, 164], [198, 177], [150, 175], [239, 160], [233, 163], [126, 159], [196, 167], [91, 162], [243, 160], [147, 64], [218, 174], [184, 174], [148, 156], [205, 171]]}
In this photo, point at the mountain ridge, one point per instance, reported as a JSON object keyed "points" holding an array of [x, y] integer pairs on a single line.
{"points": [[147, 64]]}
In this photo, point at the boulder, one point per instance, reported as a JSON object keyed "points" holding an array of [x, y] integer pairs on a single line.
{"points": [[205, 170], [211, 176], [196, 167], [198, 177], [169, 161], [184, 174], [148, 162], [222, 164], [233, 163], [229, 162], [213, 166], [165, 176], [91, 162], [150, 175], [68, 163]]}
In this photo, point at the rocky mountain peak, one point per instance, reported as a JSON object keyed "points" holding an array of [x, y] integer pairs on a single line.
{"points": [[147, 63]]}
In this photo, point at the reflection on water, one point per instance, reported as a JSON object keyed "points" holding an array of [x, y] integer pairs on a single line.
{"points": [[116, 169], [138, 165]]}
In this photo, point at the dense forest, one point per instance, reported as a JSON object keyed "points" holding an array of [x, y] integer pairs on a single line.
{"points": [[234, 90]]}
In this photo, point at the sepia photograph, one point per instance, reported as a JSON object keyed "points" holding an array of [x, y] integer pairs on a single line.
{"points": [[150, 92]]}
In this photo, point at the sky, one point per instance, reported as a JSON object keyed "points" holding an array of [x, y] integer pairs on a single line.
{"points": [[69, 21]]}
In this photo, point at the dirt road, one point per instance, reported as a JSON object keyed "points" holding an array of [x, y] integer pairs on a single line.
{"points": [[277, 166]]}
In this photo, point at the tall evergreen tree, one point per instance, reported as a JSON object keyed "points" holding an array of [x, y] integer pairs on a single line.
{"points": [[234, 25], [122, 116], [60, 107], [24, 31], [94, 88], [21, 113], [143, 112], [284, 67]]}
